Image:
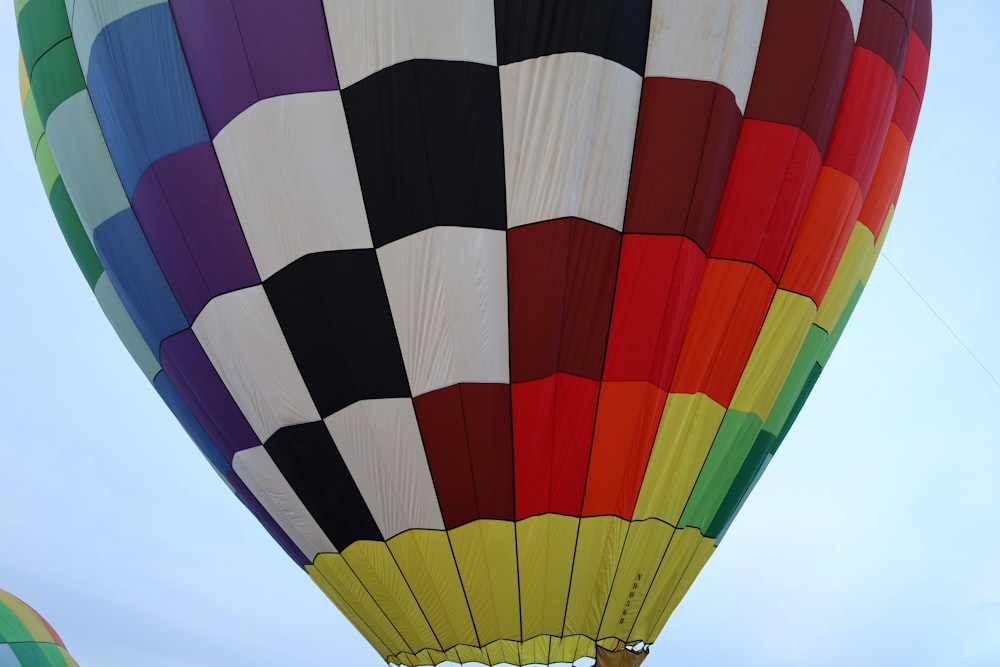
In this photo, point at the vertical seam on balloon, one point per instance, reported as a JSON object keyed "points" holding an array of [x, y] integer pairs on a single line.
{"points": [[375, 602], [461, 583], [416, 600], [607, 340], [652, 580], [361, 617]]}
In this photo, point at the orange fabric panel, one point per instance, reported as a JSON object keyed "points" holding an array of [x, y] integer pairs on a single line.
{"points": [[628, 414], [732, 302], [887, 182], [832, 212]]}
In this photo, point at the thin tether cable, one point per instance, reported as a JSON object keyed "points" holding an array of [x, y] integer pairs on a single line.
{"points": [[941, 320]]}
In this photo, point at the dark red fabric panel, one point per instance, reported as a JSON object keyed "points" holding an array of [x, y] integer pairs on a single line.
{"points": [[773, 174], [921, 24], [804, 56], [865, 112], [466, 431], [553, 429], [885, 31], [658, 279], [684, 142], [561, 281]]}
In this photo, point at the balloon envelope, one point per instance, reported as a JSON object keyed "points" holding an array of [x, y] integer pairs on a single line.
{"points": [[26, 639], [492, 312]]}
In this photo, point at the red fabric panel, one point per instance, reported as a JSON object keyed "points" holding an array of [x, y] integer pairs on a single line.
{"points": [[911, 92], [658, 278], [865, 112], [803, 60], [466, 431], [732, 302], [773, 174], [885, 30], [887, 182], [553, 429], [561, 281], [684, 142], [628, 414], [825, 230]]}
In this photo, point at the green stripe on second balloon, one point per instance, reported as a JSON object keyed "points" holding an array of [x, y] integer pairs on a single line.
{"points": [[74, 233]]}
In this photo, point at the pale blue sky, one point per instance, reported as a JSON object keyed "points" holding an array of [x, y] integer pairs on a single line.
{"points": [[872, 540]]}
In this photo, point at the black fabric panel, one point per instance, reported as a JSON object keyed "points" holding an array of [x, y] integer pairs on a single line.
{"points": [[335, 315], [428, 144], [614, 29], [308, 458]]}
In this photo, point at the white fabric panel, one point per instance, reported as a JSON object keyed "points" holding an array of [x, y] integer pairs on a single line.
{"points": [[854, 8], [265, 481], [568, 131], [242, 338], [125, 327], [707, 40], [290, 168], [380, 442], [89, 17], [447, 289], [83, 159], [370, 35]]}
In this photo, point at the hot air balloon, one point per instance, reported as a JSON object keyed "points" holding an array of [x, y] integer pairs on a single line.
{"points": [[26, 639], [492, 312]]}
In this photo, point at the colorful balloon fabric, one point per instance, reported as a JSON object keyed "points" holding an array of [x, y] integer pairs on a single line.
{"points": [[491, 312], [26, 639]]}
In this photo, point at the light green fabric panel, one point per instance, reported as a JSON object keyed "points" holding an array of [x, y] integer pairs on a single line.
{"points": [[114, 310], [84, 162], [91, 16]]}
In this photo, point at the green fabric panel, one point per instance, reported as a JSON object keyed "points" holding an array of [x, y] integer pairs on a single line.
{"points": [[796, 379], [41, 25], [56, 77], [123, 325], [46, 163], [32, 121], [40, 655], [11, 628], [18, 6], [814, 374], [743, 484], [838, 330], [76, 237], [733, 443]]}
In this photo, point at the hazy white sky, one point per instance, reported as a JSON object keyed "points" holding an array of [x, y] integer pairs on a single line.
{"points": [[872, 540]]}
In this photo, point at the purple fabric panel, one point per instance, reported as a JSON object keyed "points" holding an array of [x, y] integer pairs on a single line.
{"points": [[251, 503], [194, 377], [242, 51], [184, 208]]}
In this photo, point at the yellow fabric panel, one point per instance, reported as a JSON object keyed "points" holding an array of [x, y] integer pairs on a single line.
{"points": [[428, 565], [348, 611], [644, 548], [866, 272], [859, 247], [342, 578], [430, 657], [545, 548], [22, 77], [487, 560], [598, 549], [28, 617], [680, 559], [686, 433], [536, 650], [47, 168], [785, 327], [503, 650], [570, 649], [375, 567], [706, 547]]}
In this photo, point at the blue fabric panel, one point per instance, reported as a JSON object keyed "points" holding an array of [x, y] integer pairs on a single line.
{"points": [[190, 423], [142, 92], [137, 279]]}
